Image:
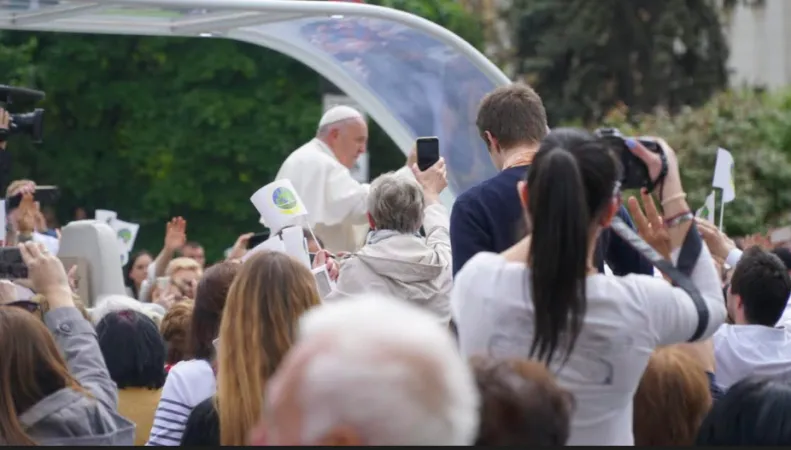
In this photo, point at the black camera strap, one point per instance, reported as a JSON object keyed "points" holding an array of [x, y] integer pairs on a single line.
{"points": [[690, 251]]}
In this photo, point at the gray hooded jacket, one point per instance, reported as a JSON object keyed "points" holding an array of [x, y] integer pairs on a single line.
{"points": [[405, 266], [68, 417]]}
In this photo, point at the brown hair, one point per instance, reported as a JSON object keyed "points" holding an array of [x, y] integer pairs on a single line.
{"points": [[210, 298], [31, 368], [514, 115], [175, 330], [520, 404], [671, 401], [263, 307]]}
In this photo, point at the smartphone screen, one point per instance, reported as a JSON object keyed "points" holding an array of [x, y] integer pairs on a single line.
{"points": [[427, 152], [258, 238]]}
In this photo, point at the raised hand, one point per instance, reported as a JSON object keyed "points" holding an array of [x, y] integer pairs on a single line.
{"points": [[175, 234], [650, 225]]}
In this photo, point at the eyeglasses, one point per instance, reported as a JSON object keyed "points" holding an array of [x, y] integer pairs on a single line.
{"points": [[29, 306]]}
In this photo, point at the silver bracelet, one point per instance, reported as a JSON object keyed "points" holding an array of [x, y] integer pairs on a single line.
{"points": [[678, 220]]}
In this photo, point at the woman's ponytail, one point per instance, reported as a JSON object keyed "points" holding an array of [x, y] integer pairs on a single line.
{"points": [[558, 253]]}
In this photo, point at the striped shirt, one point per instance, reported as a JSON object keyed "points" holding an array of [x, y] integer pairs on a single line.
{"points": [[188, 383]]}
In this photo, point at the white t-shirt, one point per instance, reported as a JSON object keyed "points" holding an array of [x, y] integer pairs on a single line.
{"points": [[188, 383], [627, 318]]}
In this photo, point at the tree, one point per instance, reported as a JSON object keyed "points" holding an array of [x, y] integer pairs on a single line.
{"points": [[587, 57], [154, 127]]}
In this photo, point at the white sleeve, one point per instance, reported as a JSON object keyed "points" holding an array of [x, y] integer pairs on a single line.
{"points": [[346, 199], [671, 312], [733, 257]]}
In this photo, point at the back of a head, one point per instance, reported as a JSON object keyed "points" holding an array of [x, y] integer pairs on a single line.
{"points": [[133, 349], [762, 281], [570, 189], [514, 115], [266, 299], [396, 203], [521, 404], [210, 297], [671, 401], [389, 371], [31, 368], [755, 411], [175, 331], [113, 303], [785, 255]]}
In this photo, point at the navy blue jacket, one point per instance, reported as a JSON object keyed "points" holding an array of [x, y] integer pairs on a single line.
{"points": [[489, 218]]}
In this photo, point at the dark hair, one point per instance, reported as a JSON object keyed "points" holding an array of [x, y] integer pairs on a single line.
{"points": [[521, 404], [570, 183], [132, 261], [513, 114], [209, 302], [754, 411], [133, 349], [762, 281], [784, 254]]}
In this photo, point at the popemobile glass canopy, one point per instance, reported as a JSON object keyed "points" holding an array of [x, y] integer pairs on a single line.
{"points": [[412, 76]]}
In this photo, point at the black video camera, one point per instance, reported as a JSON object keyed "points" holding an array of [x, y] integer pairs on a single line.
{"points": [[30, 123], [635, 173]]}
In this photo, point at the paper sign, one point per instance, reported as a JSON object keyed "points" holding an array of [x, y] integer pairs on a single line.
{"points": [[126, 232], [273, 244], [707, 210], [296, 246], [106, 216], [279, 205]]}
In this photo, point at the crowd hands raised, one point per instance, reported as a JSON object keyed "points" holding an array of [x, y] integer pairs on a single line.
{"points": [[527, 345]]}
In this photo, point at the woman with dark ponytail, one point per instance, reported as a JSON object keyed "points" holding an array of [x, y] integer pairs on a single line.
{"points": [[544, 298]]}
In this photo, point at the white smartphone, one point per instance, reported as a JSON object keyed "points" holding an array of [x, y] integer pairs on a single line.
{"points": [[163, 283]]}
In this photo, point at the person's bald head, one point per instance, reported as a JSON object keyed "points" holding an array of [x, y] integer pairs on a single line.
{"points": [[355, 377], [345, 131]]}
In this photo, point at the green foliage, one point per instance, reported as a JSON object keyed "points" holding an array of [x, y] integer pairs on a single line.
{"points": [[586, 57], [755, 128], [156, 127]]}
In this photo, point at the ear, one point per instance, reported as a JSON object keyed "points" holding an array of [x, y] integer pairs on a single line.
{"points": [[610, 212], [521, 188], [491, 142], [371, 221]]}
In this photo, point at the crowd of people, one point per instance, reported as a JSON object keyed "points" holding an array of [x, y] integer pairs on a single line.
{"points": [[517, 318]]}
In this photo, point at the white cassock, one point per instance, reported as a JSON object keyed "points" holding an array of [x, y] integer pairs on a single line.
{"points": [[336, 202]]}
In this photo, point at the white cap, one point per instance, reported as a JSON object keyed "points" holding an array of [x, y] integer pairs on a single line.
{"points": [[339, 113]]}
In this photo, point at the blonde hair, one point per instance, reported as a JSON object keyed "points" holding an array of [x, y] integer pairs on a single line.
{"points": [[182, 263], [672, 399], [15, 185], [264, 304]]}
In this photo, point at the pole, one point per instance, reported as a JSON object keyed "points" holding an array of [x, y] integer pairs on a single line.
{"points": [[722, 209]]}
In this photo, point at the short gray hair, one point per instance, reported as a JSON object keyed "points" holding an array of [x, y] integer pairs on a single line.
{"points": [[396, 203]]}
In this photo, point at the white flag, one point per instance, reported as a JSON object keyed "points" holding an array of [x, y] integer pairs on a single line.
{"points": [[723, 175], [279, 205], [126, 233], [707, 210]]}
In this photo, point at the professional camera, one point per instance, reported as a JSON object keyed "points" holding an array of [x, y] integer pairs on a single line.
{"points": [[635, 173], [30, 123]]}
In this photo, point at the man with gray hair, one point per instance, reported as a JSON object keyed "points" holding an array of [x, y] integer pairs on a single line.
{"points": [[396, 260], [319, 171], [370, 371]]}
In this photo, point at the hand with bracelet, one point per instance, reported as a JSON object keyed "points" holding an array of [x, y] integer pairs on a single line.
{"points": [[666, 179]]}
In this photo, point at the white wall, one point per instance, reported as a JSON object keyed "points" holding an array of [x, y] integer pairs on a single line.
{"points": [[760, 42]]}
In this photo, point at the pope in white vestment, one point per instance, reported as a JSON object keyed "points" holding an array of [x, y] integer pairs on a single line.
{"points": [[319, 171]]}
